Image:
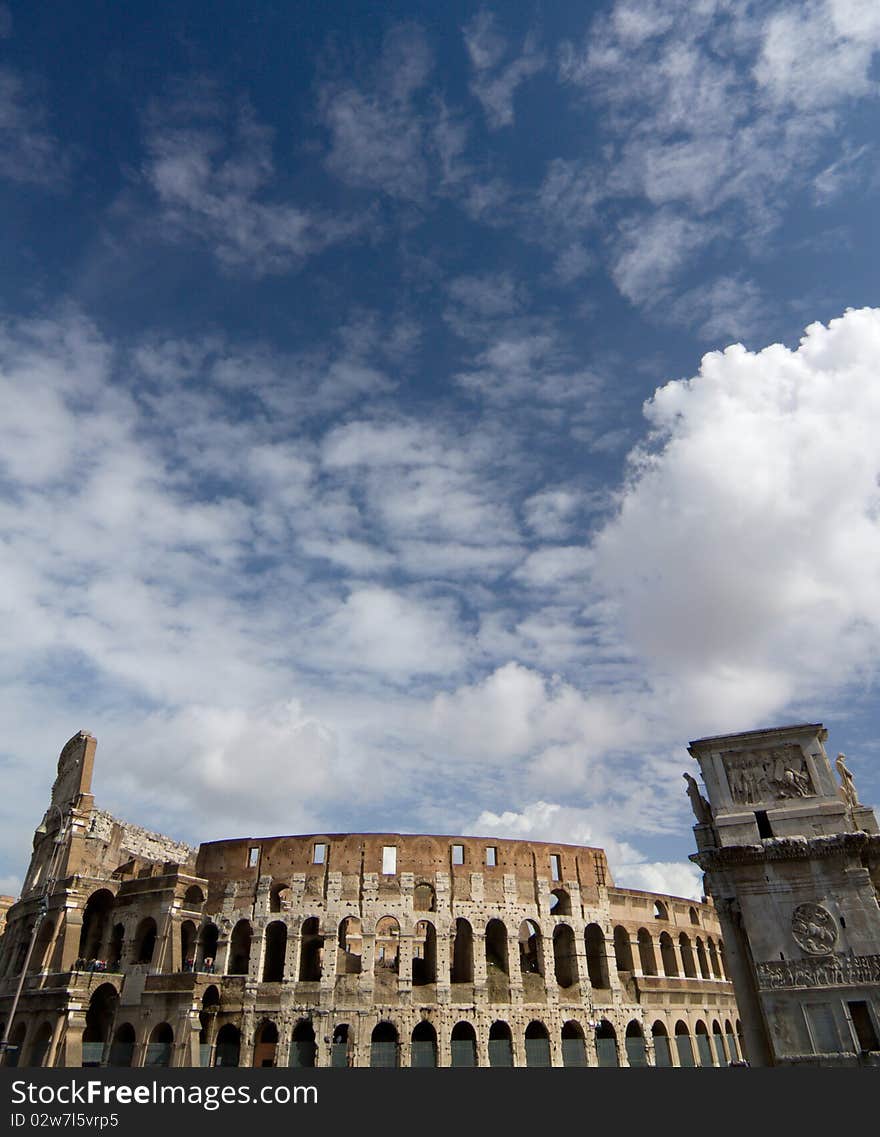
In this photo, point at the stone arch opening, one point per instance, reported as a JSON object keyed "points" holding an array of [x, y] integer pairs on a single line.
{"points": [[636, 1050], [349, 959], [303, 1047], [240, 948], [275, 949], [114, 952], [683, 1044], [530, 949], [623, 958], [193, 897], [500, 1044], [144, 941], [39, 1047], [647, 958], [718, 1043], [14, 1054], [96, 920], [537, 1041], [311, 951], [207, 954], [687, 956], [424, 897], [279, 897], [388, 943], [227, 1051], [160, 1046], [713, 959], [574, 1044], [694, 917], [340, 1047], [266, 1044], [606, 1045], [497, 963], [384, 1046], [597, 961], [462, 953], [704, 1047], [702, 961], [560, 902], [122, 1047], [188, 936], [565, 966], [662, 1049], [661, 912], [667, 955], [100, 1017], [463, 1045], [423, 1045], [424, 959]]}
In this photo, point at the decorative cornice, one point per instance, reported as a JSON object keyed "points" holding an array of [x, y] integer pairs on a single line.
{"points": [[788, 849]]}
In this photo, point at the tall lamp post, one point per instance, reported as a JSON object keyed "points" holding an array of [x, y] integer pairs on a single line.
{"points": [[42, 909]]}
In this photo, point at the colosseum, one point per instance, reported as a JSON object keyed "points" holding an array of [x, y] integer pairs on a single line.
{"points": [[127, 948]]}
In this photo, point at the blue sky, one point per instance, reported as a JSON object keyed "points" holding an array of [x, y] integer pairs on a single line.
{"points": [[430, 418]]}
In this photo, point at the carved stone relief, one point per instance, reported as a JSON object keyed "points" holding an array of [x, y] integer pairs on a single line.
{"points": [[767, 775], [813, 929], [830, 971]]}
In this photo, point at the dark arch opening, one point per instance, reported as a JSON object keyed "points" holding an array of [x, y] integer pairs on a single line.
{"points": [[240, 948], [384, 1050], [96, 919], [606, 1045], [574, 1046], [99, 1023], [424, 960], [463, 953], [662, 1049], [424, 898], [560, 902], [683, 1044], [208, 947], [266, 1044], [144, 941], [537, 1045], [303, 1048], [423, 1045], [500, 1045], [636, 1050], [160, 1045], [463, 1045], [647, 958], [565, 965], [227, 1051], [274, 953], [310, 951], [122, 1047], [188, 945], [597, 962], [623, 959]]}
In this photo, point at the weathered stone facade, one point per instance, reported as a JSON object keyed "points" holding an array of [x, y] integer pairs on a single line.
{"points": [[792, 859], [349, 949]]}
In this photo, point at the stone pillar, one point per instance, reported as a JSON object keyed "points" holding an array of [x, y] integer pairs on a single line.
{"points": [[73, 919], [73, 1041], [329, 957], [480, 977], [52, 1052], [636, 956], [367, 980], [444, 964], [404, 967], [221, 960], [514, 970], [258, 947], [291, 955]]}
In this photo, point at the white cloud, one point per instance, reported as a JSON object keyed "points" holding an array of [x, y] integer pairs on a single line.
{"points": [[494, 84], [29, 151], [214, 180]]}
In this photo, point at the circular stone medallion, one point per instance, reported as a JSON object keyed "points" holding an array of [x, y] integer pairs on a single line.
{"points": [[813, 929]]}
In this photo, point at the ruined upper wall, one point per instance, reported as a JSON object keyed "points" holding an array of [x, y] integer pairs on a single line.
{"points": [[132, 841]]}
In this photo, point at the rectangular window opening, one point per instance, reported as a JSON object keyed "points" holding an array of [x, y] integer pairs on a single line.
{"points": [[389, 860], [555, 866], [320, 854], [765, 829], [458, 854], [253, 856], [491, 856], [863, 1026]]}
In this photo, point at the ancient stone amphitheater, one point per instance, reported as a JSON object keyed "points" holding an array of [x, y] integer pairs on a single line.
{"points": [[347, 950]]}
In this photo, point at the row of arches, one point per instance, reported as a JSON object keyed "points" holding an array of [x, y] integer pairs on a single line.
{"points": [[697, 960]]}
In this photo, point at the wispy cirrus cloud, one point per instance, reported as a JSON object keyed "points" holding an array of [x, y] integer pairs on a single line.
{"points": [[496, 77]]}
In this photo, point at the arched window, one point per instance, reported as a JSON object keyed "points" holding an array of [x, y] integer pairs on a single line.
{"points": [[463, 953], [730, 1038], [660, 910], [623, 959], [424, 960], [537, 1044], [122, 1047], [564, 956], [597, 962], [574, 1047], [530, 949], [687, 956], [497, 964], [647, 958], [667, 955], [383, 1045], [303, 1047], [718, 1043], [310, 951], [424, 898], [702, 961], [227, 1052], [636, 1051], [96, 919], [388, 944], [560, 902], [159, 1046], [339, 1047], [463, 1045], [683, 1043], [704, 1048], [39, 1048], [240, 948], [662, 1049], [423, 1045], [266, 1044], [713, 959], [188, 945], [193, 898], [694, 918], [500, 1045], [606, 1044], [349, 960], [208, 948], [144, 941], [274, 952], [99, 1023], [279, 898]]}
